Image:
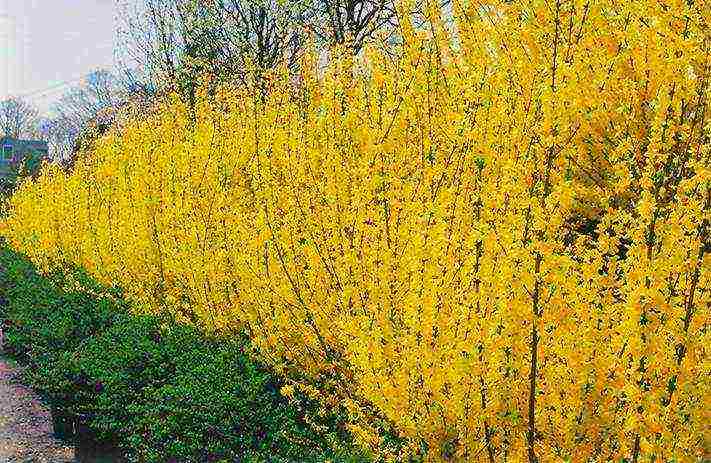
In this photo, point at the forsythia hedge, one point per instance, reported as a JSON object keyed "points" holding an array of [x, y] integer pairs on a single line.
{"points": [[497, 242]]}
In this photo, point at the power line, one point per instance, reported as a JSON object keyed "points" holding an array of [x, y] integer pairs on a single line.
{"points": [[52, 88]]}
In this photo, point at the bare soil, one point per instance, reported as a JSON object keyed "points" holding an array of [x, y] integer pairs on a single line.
{"points": [[26, 424]]}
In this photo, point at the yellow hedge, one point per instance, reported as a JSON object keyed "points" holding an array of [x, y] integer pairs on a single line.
{"points": [[407, 234]]}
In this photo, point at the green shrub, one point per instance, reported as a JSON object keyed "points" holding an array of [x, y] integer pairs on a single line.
{"points": [[169, 394], [44, 324]]}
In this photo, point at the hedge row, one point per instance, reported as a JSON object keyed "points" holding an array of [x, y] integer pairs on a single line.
{"points": [[162, 391]]}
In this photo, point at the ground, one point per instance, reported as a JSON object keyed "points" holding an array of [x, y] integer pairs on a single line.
{"points": [[25, 424]]}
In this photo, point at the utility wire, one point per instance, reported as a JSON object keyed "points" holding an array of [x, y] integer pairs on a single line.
{"points": [[42, 92], [51, 89]]}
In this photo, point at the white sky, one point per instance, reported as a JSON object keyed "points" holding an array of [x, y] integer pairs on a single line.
{"points": [[45, 43]]}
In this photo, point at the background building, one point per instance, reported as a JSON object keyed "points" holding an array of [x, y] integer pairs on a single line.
{"points": [[17, 155]]}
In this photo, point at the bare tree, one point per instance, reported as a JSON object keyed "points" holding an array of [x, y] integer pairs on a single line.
{"points": [[151, 36], [18, 119], [261, 33], [100, 90], [179, 41], [351, 23], [175, 43], [61, 136], [93, 103]]}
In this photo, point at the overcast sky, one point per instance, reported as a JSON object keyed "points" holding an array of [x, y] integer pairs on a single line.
{"points": [[46, 43]]}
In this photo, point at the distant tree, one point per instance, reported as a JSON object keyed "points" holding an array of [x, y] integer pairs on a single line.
{"points": [[60, 135], [18, 119], [262, 33], [352, 23], [89, 107], [150, 34], [178, 42], [100, 90]]}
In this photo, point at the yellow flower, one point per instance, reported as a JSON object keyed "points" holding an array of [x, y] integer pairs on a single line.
{"points": [[287, 390]]}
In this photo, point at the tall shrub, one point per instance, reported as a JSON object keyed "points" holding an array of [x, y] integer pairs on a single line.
{"points": [[496, 242]]}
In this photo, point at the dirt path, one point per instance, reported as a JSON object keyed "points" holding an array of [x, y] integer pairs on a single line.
{"points": [[25, 425]]}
